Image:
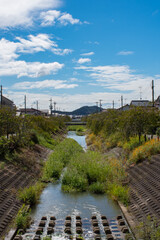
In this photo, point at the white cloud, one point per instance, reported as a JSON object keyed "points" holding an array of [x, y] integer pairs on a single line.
{"points": [[73, 79], [119, 78], [125, 53], [87, 54], [41, 42], [15, 13], [7, 50], [56, 84], [29, 69], [10, 51], [52, 17], [93, 42], [83, 60], [67, 18], [38, 43], [61, 52]]}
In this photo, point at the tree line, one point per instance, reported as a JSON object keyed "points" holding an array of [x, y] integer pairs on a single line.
{"points": [[136, 121]]}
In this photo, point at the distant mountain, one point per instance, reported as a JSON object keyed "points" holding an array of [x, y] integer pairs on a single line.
{"points": [[86, 110]]}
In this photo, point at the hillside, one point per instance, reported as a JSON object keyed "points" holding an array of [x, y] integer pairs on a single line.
{"points": [[86, 110]]}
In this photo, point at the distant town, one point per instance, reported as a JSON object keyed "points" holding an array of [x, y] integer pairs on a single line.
{"points": [[80, 112]]}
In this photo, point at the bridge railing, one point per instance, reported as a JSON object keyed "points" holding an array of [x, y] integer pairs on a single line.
{"points": [[75, 123]]}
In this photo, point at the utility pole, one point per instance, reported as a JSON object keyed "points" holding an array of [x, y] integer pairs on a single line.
{"points": [[37, 105], [153, 93], [51, 106], [140, 92], [100, 105], [97, 106], [55, 108], [113, 104], [1, 98], [122, 101], [25, 104]]}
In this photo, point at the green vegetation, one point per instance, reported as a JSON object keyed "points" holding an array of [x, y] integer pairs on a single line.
{"points": [[145, 151], [132, 143], [85, 171], [94, 172], [119, 192], [113, 127], [19, 132], [148, 229], [125, 129], [79, 129], [2, 165], [97, 188], [60, 158], [31, 195], [23, 218]]}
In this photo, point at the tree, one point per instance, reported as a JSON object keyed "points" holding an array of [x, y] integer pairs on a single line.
{"points": [[136, 121]]}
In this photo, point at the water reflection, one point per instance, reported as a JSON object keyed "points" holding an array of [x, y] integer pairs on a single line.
{"points": [[80, 139]]}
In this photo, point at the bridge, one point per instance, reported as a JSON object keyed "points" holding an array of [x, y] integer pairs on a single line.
{"points": [[75, 123]]}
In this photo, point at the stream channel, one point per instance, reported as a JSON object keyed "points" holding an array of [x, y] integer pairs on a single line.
{"points": [[54, 202]]}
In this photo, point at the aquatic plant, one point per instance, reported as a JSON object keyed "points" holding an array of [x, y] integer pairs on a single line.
{"points": [[97, 188], [119, 192], [95, 172], [31, 194], [23, 218], [59, 158]]}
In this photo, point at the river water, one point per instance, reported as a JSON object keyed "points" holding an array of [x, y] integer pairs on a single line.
{"points": [[54, 202]]}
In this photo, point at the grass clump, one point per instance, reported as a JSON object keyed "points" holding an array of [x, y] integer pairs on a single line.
{"points": [[73, 181], [47, 238], [145, 151], [23, 218], [31, 195], [60, 158], [119, 192], [95, 172], [97, 188], [148, 229], [2, 165]]}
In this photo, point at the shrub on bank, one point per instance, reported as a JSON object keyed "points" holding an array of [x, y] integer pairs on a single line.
{"points": [[119, 192], [23, 218], [31, 195], [133, 143], [148, 229], [145, 151]]}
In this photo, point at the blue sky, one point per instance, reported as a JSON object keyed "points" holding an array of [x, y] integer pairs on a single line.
{"points": [[79, 51]]}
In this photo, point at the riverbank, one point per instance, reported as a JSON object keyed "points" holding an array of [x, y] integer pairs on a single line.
{"points": [[13, 178], [142, 170]]}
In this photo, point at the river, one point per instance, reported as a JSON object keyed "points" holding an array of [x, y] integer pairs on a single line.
{"points": [[54, 202]]}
